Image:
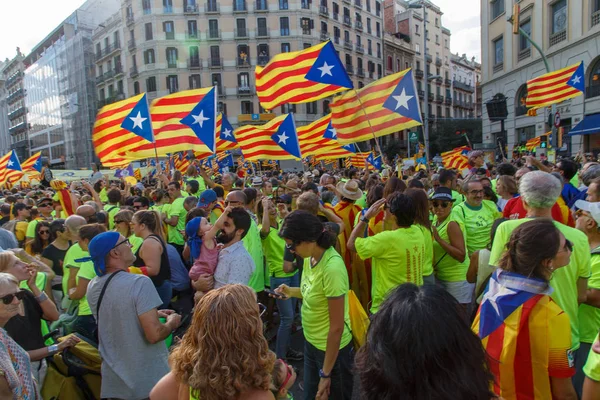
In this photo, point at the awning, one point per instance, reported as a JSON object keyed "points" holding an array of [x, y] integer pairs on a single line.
{"points": [[589, 125]]}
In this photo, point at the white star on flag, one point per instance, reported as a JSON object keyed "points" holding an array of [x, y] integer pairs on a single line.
{"points": [[199, 119], [227, 132], [333, 132], [10, 163], [402, 100], [137, 121], [326, 69], [576, 80], [283, 138], [501, 291]]}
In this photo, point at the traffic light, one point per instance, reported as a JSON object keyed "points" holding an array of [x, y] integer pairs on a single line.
{"points": [[515, 19], [544, 141]]}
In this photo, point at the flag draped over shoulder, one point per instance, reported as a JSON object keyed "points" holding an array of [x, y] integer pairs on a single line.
{"points": [[456, 158], [391, 104], [556, 86], [318, 139], [271, 141], [301, 76]]}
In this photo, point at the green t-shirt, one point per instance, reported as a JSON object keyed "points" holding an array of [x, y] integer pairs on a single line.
{"points": [[112, 210], [397, 258], [447, 268], [103, 195], [30, 234], [86, 271], [273, 248], [591, 369], [136, 242], [457, 197], [428, 255], [328, 279], [201, 184], [174, 232], [589, 317], [253, 245], [75, 252], [362, 202], [564, 280], [476, 223]]}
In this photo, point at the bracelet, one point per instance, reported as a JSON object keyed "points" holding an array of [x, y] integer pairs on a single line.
{"points": [[41, 298], [365, 220], [52, 349]]}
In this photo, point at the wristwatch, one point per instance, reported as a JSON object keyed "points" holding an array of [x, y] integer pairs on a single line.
{"points": [[53, 349], [365, 220], [323, 375]]}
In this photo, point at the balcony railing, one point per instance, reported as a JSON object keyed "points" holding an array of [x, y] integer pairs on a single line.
{"points": [[419, 73], [243, 62], [17, 113], [241, 33], [194, 63], [131, 44], [463, 86], [262, 32], [191, 35], [596, 18], [421, 93], [348, 44], [558, 37], [592, 91], [439, 80], [167, 9], [360, 49], [336, 39], [439, 98], [215, 62], [245, 91], [520, 110], [350, 69], [324, 11], [20, 127], [430, 96], [307, 32], [438, 61], [191, 9], [358, 25], [262, 60], [324, 36], [335, 16], [108, 50], [14, 78], [171, 63], [129, 19], [239, 6], [213, 34], [428, 57], [212, 7], [448, 100], [133, 72], [118, 69], [100, 79], [447, 82], [347, 20], [360, 72], [261, 6]]}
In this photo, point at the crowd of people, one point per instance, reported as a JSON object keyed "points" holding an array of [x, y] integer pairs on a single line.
{"points": [[478, 284]]}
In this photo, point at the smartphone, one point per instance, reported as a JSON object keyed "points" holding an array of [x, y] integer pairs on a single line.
{"points": [[275, 294]]}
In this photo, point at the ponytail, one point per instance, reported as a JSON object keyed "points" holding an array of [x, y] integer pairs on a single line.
{"points": [[327, 238], [152, 220]]}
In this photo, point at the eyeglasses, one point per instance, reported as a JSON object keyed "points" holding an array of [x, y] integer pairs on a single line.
{"points": [[289, 374], [45, 205], [20, 295], [291, 246], [44, 232], [443, 204], [476, 192], [126, 241]]}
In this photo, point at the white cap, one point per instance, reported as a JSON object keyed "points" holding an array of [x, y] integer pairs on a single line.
{"points": [[592, 208]]}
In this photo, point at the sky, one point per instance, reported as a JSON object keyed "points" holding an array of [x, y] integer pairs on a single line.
{"points": [[26, 23]]}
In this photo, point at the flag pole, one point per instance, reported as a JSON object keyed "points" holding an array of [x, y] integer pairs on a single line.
{"points": [[368, 121]]}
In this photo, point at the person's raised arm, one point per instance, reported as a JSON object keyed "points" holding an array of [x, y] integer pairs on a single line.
{"points": [[266, 222], [94, 194], [209, 182], [359, 228], [332, 217]]}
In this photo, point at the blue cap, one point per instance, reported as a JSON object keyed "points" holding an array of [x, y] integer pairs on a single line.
{"points": [[207, 197], [99, 248]]}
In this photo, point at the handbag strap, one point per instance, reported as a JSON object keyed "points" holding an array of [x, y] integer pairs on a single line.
{"points": [[102, 296]]}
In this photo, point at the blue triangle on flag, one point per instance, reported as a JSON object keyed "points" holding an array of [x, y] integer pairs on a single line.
{"points": [[377, 162], [403, 100], [328, 69], [287, 137], [577, 80], [138, 121], [38, 164], [350, 147], [202, 119], [370, 159], [13, 162], [226, 130], [330, 132]]}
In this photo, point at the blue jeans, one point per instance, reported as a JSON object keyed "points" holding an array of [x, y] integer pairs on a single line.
{"points": [[342, 380], [165, 292], [581, 356], [286, 313]]}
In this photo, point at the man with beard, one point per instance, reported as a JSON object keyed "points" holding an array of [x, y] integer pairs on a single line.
{"points": [[235, 265]]}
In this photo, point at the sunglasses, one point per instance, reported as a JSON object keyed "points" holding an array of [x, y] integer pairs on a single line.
{"points": [[126, 241], [20, 295], [44, 232], [476, 192], [442, 204], [289, 372], [45, 205], [291, 246]]}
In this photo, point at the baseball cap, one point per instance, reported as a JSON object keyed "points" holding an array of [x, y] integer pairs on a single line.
{"points": [[207, 197], [99, 248], [592, 208], [442, 193]]}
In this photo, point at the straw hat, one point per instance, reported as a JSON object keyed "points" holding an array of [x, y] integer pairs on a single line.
{"points": [[349, 190]]}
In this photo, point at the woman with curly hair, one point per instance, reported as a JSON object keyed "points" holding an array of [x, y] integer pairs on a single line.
{"points": [[223, 355]]}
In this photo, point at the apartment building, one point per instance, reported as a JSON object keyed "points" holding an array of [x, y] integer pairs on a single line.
{"points": [[4, 135], [14, 100], [164, 46], [567, 32], [466, 75]]}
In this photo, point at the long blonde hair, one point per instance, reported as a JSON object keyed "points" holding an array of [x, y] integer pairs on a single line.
{"points": [[224, 353]]}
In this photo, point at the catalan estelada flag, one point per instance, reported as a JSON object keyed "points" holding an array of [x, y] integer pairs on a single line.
{"points": [[358, 161], [275, 140], [318, 139], [181, 162], [10, 168], [526, 335], [456, 158], [557, 86], [536, 142], [301, 76], [390, 105]]}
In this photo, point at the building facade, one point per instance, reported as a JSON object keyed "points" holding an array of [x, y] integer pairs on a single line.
{"points": [[4, 126], [466, 75], [60, 84], [164, 46], [568, 32], [14, 99]]}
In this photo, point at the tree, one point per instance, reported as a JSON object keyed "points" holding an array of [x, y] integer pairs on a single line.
{"points": [[443, 137], [393, 148]]}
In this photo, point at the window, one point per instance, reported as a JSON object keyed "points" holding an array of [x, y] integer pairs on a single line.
{"points": [[378, 28], [368, 5], [326, 109], [358, 40], [116, 38], [101, 94], [222, 107], [247, 107], [437, 22], [285, 48], [390, 63], [172, 83], [288, 108], [169, 29], [498, 46], [149, 57], [306, 24], [244, 81], [151, 84], [311, 108], [284, 24], [559, 16], [523, 42], [171, 57], [136, 87], [379, 71], [168, 6], [369, 47], [134, 61], [192, 29], [148, 30], [262, 27], [215, 56], [213, 28], [417, 48], [417, 29], [306, 46], [346, 36], [369, 25], [240, 25], [446, 43], [437, 39], [216, 81], [336, 32], [147, 6], [497, 7], [378, 50], [377, 8], [283, 4], [194, 81], [194, 56]]}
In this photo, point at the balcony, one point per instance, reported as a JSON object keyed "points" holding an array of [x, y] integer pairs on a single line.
{"points": [[191, 9], [213, 34], [240, 7], [194, 63], [596, 18], [592, 91], [347, 21], [447, 82], [438, 61], [430, 97], [439, 98], [129, 20], [360, 72], [262, 32], [133, 72], [448, 100], [221, 90], [336, 39], [360, 49], [324, 36], [348, 45], [215, 62], [499, 67], [243, 62], [100, 79], [191, 35], [324, 11], [429, 58], [14, 78], [245, 91], [241, 33], [558, 37], [358, 25], [379, 54], [357, 4], [131, 44], [262, 60], [17, 113], [421, 93], [212, 7], [335, 16], [118, 70], [167, 9], [419, 73], [463, 86], [350, 69], [108, 50], [108, 75], [20, 127], [439, 80]]}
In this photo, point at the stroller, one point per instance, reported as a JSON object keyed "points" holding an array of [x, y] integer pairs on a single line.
{"points": [[74, 374]]}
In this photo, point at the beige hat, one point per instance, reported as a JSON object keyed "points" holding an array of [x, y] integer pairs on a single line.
{"points": [[349, 190], [315, 172]]}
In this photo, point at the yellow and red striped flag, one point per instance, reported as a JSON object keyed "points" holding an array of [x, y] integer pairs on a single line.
{"points": [[390, 105], [10, 168], [137, 174], [301, 76], [536, 142], [556, 86], [181, 162], [33, 163], [257, 142], [359, 161], [456, 158], [317, 139]]}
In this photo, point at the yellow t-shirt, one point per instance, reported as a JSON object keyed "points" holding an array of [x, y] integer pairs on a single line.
{"points": [[428, 255], [21, 230], [112, 210], [174, 232], [397, 256], [86, 271], [447, 268], [327, 279], [136, 242]]}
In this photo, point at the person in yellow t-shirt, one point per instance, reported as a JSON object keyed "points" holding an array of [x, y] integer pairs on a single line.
{"points": [[20, 212], [328, 349], [398, 255]]}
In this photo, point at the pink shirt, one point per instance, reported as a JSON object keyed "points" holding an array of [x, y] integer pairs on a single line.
{"points": [[206, 263]]}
